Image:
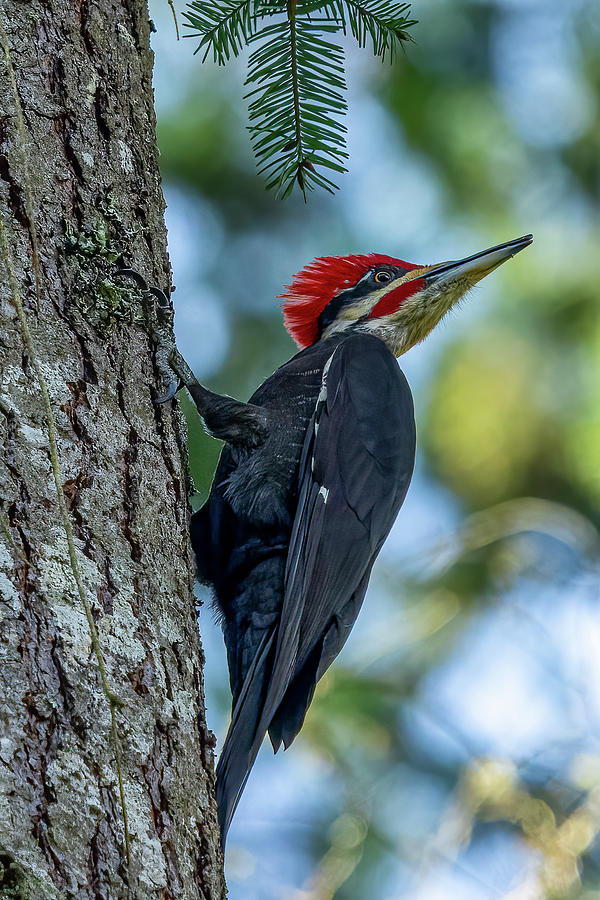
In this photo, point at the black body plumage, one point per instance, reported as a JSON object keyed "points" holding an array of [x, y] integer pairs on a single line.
{"points": [[291, 529]]}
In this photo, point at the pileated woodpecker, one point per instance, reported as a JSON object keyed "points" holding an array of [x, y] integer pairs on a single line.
{"points": [[313, 473]]}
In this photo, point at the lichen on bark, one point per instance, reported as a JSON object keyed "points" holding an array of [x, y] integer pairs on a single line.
{"points": [[80, 188]]}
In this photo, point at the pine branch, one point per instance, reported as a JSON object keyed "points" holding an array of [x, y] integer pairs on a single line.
{"points": [[298, 99], [296, 75], [224, 26], [385, 22]]}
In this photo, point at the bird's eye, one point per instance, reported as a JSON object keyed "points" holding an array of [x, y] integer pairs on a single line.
{"points": [[382, 277]]}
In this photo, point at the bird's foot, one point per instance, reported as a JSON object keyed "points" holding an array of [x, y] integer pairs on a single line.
{"points": [[224, 417], [161, 318]]}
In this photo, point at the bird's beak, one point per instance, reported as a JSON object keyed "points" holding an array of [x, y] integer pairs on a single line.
{"points": [[472, 269], [427, 293]]}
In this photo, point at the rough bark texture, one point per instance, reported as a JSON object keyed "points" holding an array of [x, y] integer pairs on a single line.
{"points": [[83, 72]]}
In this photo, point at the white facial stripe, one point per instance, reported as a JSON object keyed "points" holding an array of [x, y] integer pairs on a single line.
{"points": [[360, 308]]}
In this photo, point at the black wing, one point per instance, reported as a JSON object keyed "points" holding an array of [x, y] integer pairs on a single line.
{"points": [[354, 472]]}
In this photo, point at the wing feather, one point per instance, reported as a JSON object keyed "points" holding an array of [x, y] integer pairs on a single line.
{"points": [[355, 470]]}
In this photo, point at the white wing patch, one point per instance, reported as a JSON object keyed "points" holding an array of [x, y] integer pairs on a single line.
{"points": [[323, 392], [322, 398], [324, 493]]}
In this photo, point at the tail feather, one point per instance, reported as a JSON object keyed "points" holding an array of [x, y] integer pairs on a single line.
{"points": [[290, 715], [245, 735], [274, 698]]}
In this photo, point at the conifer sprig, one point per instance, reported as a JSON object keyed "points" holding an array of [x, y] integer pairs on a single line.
{"points": [[296, 75], [225, 27], [385, 22], [298, 93]]}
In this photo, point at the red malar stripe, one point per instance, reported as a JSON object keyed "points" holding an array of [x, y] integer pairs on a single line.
{"points": [[390, 303]]}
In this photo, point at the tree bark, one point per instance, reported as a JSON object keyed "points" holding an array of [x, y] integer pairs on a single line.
{"points": [[80, 195]]}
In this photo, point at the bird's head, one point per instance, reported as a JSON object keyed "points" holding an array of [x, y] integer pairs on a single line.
{"points": [[399, 301]]}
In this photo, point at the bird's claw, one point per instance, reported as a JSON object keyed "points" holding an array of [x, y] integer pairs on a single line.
{"points": [[162, 332], [163, 307], [172, 389], [135, 276]]}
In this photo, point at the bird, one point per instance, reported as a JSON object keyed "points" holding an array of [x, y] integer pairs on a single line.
{"points": [[312, 475]]}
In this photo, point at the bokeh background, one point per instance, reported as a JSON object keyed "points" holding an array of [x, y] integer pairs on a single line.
{"points": [[453, 750]]}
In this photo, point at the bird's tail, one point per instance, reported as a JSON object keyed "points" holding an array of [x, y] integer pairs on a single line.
{"points": [[245, 735]]}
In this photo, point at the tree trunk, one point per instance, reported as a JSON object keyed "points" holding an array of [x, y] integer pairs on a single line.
{"points": [[106, 780]]}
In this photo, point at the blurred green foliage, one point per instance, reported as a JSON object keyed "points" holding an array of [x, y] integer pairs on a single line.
{"points": [[499, 104]]}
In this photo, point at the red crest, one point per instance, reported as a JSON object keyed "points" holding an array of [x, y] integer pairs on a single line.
{"points": [[318, 283]]}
